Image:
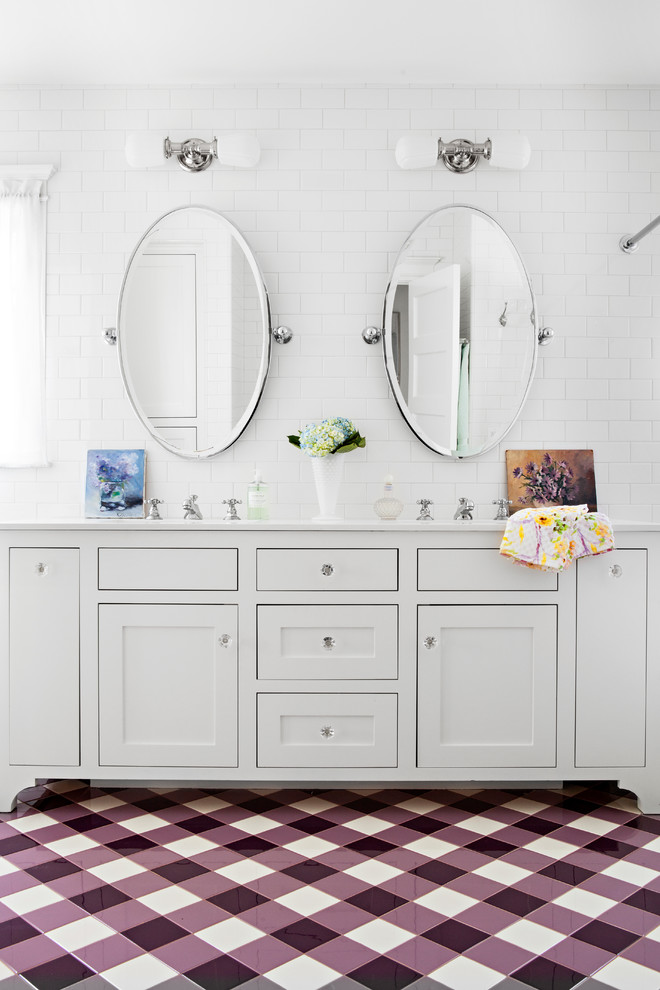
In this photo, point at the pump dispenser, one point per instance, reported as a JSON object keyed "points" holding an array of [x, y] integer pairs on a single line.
{"points": [[257, 498], [389, 506]]}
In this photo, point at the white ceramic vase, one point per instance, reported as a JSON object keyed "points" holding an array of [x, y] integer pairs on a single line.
{"points": [[328, 476]]}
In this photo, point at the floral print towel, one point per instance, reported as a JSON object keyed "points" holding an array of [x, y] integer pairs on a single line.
{"points": [[549, 538]]}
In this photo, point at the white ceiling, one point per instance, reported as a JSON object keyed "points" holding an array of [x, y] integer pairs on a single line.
{"points": [[86, 42]]}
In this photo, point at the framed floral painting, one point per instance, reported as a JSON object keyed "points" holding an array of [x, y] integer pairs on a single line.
{"points": [[114, 484], [550, 477]]}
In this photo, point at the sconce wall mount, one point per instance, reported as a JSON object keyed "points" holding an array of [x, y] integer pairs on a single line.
{"points": [[460, 155], [238, 148]]}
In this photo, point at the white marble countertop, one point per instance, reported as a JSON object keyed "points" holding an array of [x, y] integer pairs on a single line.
{"points": [[274, 525]]}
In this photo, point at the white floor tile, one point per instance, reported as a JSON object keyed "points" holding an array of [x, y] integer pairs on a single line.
{"points": [[373, 872], [481, 825], [447, 902], [307, 900], [529, 935], [368, 825], [311, 847], [466, 974], [190, 847], [302, 973], [77, 934], [168, 899], [74, 844], [117, 869], [255, 824], [504, 873], [428, 846], [584, 902], [244, 871], [30, 899], [640, 876], [380, 935], [230, 934], [552, 848], [143, 823], [626, 975], [140, 973]]}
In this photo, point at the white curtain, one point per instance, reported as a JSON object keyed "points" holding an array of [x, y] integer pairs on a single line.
{"points": [[22, 323]]}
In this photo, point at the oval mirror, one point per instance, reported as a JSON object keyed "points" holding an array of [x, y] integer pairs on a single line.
{"points": [[460, 332], [193, 330]]}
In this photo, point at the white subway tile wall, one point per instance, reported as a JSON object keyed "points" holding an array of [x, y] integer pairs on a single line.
{"points": [[325, 212]]}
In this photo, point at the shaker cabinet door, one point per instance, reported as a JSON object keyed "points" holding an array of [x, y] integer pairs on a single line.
{"points": [[167, 685], [610, 696], [44, 656], [487, 685]]}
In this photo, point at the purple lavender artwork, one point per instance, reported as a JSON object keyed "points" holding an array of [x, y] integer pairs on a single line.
{"points": [[114, 484], [551, 477]]}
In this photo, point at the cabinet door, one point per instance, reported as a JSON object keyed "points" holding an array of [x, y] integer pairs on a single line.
{"points": [[610, 704], [167, 685], [487, 685], [44, 656]]}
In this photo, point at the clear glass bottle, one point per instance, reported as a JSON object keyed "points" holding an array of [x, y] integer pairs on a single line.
{"points": [[389, 506], [257, 498]]}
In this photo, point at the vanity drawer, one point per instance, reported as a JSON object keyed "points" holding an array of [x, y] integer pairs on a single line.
{"points": [[478, 570], [328, 570], [140, 569], [327, 730], [326, 642]]}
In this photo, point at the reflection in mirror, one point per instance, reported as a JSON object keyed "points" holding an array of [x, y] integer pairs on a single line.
{"points": [[460, 331], [193, 332]]}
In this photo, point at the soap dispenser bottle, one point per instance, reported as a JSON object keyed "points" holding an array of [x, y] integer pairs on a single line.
{"points": [[257, 498], [389, 506]]}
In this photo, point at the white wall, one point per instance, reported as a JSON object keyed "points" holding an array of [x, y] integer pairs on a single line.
{"points": [[325, 212]]}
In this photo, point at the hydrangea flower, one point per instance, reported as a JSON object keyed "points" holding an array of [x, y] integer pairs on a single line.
{"points": [[336, 435]]}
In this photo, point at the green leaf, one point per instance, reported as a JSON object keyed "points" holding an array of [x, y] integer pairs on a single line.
{"points": [[295, 440], [351, 443]]}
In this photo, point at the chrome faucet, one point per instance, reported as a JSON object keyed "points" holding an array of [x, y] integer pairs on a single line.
{"points": [[191, 509], [232, 514], [502, 507], [464, 510], [424, 513]]}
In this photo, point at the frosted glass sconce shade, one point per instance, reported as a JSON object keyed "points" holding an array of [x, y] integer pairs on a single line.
{"points": [[460, 155], [239, 149]]}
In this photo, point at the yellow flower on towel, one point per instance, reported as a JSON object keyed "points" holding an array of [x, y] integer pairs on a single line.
{"points": [[544, 520], [521, 534]]}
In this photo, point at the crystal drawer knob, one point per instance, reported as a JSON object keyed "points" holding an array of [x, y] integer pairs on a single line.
{"points": [[41, 568], [328, 643], [327, 731], [430, 642], [327, 570], [616, 570], [225, 640]]}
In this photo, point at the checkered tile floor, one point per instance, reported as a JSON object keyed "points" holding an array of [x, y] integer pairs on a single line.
{"points": [[347, 890]]}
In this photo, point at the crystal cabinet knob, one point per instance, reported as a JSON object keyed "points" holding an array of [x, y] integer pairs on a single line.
{"points": [[41, 568], [430, 642], [327, 731], [328, 643], [616, 571], [327, 570], [225, 640]]}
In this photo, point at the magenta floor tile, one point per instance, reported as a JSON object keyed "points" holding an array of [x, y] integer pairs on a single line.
{"points": [[501, 956], [270, 917], [214, 859], [560, 918], [264, 954], [124, 916], [276, 884], [76, 883], [486, 918], [207, 884], [340, 885], [547, 888], [477, 887], [466, 859], [169, 833], [337, 859], [92, 857], [646, 952], [409, 885], [203, 914], [141, 884], [154, 857], [402, 859], [185, 953], [526, 859], [413, 918], [580, 956], [31, 856], [617, 890], [108, 952], [51, 833], [280, 835], [6, 914], [13, 882], [56, 915], [344, 955], [342, 918], [31, 952], [421, 955], [645, 857], [589, 860], [631, 919]]}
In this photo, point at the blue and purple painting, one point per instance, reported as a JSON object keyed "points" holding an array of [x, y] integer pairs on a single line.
{"points": [[114, 484]]}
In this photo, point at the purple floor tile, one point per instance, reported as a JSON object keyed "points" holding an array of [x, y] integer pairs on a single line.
{"points": [[616, 890], [645, 952], [343, 918], [413, 918], [125, 915], [223, 971], [421, 955], [108, 952], [16, 930], [343, 954], [265, 954], [631, 919], [141, 884], [30, 952], [499, 955], [152, 934], [384, 972], [185, 953], [580, 956], [63, 972], [487, 918], [56, 915], [276, 885], [560, 919]]}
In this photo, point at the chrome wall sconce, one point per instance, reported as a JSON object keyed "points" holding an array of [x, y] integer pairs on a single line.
{"points": [[238, 148], [461, 155]]}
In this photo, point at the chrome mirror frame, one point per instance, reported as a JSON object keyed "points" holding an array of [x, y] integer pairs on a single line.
{"points": [[388, 356], [250, 410]]}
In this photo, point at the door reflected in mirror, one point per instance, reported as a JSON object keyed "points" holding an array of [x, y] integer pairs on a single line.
{"points": [[460, 332], [193, 332]]}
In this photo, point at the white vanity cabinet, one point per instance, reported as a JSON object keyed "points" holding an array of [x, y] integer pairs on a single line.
{"points": [[371, 654]]}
